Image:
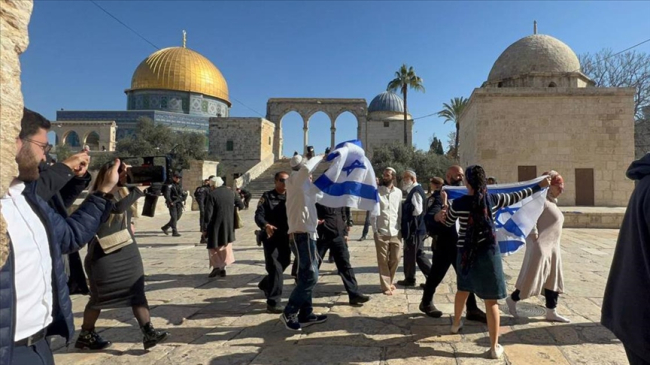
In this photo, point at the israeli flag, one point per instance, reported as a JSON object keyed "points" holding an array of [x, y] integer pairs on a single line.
{"points": [[349, 181], [514, 223]]}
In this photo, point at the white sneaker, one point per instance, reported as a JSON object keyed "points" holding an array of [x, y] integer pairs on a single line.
{"points": [[455, 329], [552, 316], [497, 352], [512, 307]]}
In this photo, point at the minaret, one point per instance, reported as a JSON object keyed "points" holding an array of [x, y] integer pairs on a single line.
{"points": [[534, 27], [184, 39]]}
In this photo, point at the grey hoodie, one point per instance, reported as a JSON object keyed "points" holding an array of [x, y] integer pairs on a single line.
{"points": [[626, 304]]}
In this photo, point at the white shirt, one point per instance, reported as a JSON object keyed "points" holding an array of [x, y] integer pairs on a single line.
{"points": [[388, 222], [33, 263], [416, 200], [301, 200]]}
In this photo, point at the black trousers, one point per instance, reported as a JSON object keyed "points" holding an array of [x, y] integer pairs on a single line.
{"points": [[633, 358], [339, 249], [444, 255], [366, 225], [201, 212], [550, 295], [76, 277], [247, 200], [36, 354], [175, 213], [277, 256], [414, 254]]}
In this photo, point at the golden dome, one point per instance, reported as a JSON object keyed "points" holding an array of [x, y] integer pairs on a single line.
{"points": [[180, 69]]}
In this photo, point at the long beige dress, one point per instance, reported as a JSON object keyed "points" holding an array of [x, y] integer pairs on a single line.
{"points": [[542, 266]]}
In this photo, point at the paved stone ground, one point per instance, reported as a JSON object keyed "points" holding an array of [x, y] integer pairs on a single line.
{"points": [[223, 320]]}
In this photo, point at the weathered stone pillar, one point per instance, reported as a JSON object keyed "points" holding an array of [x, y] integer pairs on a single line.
{"points": [[14, 18], [333, 132], [305, 137]]}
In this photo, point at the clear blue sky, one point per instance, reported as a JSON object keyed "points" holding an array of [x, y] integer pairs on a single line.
{"points": [[81, 59]]}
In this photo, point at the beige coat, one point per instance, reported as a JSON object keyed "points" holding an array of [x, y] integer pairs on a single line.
{"points": [[542, 266]]}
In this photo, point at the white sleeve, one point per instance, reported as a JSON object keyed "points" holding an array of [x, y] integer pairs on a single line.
{"points": [[417, 204]]}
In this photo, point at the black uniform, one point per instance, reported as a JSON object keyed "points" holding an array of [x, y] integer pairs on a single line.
{"points": [[200, 194], [272, 210], [175, 199], [331, 235], [246, 197]]}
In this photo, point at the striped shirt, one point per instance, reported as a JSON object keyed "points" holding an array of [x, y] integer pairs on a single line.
{"points": [[459, 209]]}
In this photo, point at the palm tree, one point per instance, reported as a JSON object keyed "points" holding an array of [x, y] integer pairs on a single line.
{"points": [[451, 112], [404, 79]]}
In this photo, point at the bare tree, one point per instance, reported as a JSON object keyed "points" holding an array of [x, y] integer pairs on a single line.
{"points": [[629, 69]]}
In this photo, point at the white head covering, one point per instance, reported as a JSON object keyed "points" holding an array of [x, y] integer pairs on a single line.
{"points": [[412, 173], [216, 181], [296, 162]]}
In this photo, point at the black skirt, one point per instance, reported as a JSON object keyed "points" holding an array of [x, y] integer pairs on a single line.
{"points": [[116, 279]]}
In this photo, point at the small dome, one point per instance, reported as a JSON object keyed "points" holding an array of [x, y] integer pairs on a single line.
{"points": [[386, 102], [180, 69], [533, 54]]}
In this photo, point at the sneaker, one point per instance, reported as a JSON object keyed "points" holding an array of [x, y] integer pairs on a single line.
{"points": [[291, 322], [552, 316], [90, 340], [165, 231], [497, 352], [359, 299], [512, 307], [430, 310], [314, 318], [455, 329]]}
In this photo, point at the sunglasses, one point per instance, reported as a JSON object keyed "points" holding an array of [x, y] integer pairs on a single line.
{"points": [[282, 180], [46, 147]]}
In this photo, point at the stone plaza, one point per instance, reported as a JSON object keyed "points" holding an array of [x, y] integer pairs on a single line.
{"points": [[224, 320]]}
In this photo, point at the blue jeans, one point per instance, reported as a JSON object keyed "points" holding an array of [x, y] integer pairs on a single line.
{"points": [[300, 301]]}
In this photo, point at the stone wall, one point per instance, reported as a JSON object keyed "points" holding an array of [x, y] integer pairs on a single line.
{"points": [[106, 130], [14, 18], [193, 177], [385, 128], [254, 171], [266, 142], [642, 137], [553, 128]]}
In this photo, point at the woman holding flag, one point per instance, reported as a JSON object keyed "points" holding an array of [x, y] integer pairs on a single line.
{"points": [[542, 267], [479, 264]]}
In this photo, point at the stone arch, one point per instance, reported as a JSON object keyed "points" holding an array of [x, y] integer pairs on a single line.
{"points": [[276, 108], [340, 123], [71, 138], [92, 140], [552, 84], [52, 138]]}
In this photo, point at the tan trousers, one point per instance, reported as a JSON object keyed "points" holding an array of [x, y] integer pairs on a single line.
{"points": [[389, 253]]}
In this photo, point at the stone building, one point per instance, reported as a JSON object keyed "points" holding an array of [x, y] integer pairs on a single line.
{"points": [[174, 86], [642, 134], [537, 112], [98, 135], [386, 122]]}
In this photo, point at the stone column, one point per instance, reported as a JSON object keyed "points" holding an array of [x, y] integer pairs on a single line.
{"points": [[333, 132], [305, 131], [14, 19]]}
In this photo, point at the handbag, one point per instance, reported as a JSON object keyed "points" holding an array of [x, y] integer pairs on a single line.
{"points": [[115, 241], [238, 221]]}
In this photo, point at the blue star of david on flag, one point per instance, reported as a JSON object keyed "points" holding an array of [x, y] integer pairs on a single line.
{"points": [[355, 165]]}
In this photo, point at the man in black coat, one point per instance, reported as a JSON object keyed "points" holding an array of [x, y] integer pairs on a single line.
{"points": [[60, 185], [245, 196], [333, 235], [626, 309], [444, 253], [271, 217], [200, 194], [175, 200]]}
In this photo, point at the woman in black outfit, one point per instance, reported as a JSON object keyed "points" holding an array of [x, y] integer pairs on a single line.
{"points": [[116, 279]]}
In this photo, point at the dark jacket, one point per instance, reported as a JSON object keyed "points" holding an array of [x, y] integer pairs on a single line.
{"points": [[272, 209], [200, 193], [65, 235], [174, 194], [413, 225], [334, 227], [219, 216], [625, 304], [446, 235]]}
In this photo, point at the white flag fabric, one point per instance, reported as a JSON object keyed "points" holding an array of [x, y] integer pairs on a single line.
{"points": [[349, 181], [514, 223]]}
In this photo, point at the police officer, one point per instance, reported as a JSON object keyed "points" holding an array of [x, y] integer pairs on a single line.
{"points": [[175, 199], [200, 194], [271, 217]]}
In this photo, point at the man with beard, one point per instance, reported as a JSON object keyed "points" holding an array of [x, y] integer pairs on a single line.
{"points": [[35, 302], [444, 255], [413, 229], [175, 199]]}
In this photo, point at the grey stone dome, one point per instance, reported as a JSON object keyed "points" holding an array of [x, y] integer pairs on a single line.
{"points": [[386, 102], [537, 53]]}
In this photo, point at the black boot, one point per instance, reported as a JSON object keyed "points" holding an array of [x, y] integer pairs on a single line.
{"points": [[152, 336], [90, 340]]}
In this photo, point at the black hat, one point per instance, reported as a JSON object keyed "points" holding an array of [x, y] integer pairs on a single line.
{"points": [[178, 174]]}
